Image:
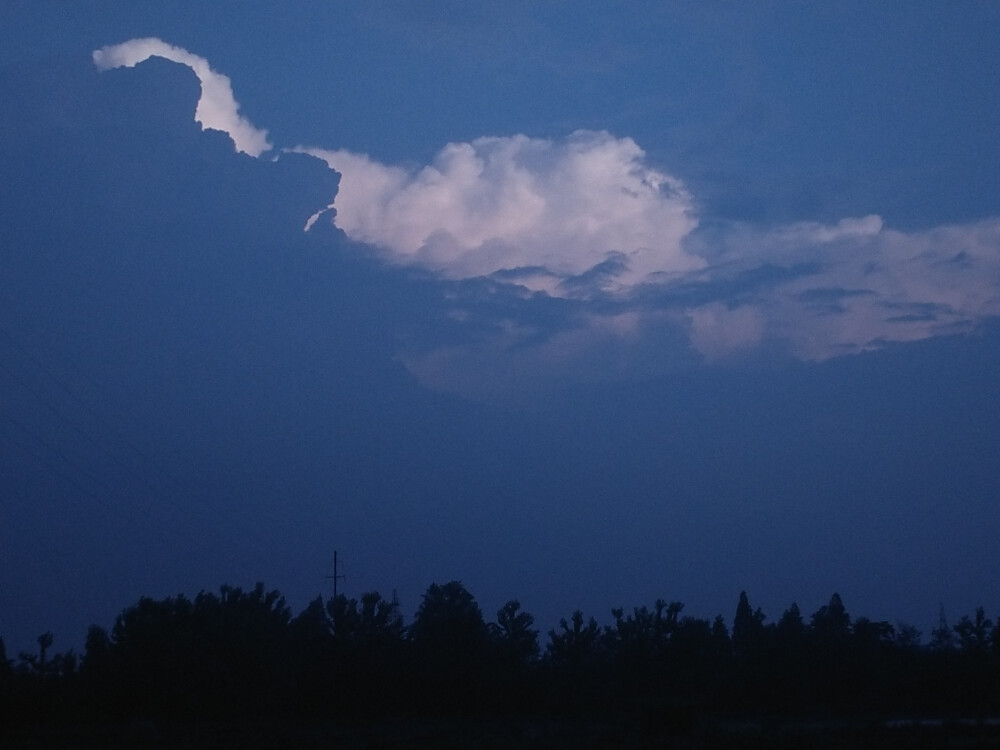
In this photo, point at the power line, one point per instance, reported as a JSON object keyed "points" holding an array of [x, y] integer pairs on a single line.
{"points": [[39, 456], [72, 395], [72, 470], [128, 468]]}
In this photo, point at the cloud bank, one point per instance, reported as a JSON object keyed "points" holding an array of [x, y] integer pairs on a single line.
{"points": [[217, 108], [603, 261]]}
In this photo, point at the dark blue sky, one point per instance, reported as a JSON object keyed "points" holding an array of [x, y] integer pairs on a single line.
{"points": [[615, 306]]}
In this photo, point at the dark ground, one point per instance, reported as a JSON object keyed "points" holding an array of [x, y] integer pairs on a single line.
{"points": [[515, 734]]}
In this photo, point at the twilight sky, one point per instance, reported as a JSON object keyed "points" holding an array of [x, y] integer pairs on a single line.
{"points": [[582, 304]]}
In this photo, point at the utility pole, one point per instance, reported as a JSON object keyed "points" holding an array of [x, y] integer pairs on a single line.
{"points": [[336, 577]]}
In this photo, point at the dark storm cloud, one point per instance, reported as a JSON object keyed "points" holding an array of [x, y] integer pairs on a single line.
{"points": [[177, 354]]}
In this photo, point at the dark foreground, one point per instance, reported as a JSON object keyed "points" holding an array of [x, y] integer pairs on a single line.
{"points": [[237, 670], [514, 734]]}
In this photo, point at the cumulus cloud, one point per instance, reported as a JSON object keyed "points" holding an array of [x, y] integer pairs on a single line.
{"points": [[554, 209], [217, 108], [616, 245]]}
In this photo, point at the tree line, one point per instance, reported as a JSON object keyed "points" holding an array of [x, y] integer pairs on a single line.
{"points": [[240, 654]]}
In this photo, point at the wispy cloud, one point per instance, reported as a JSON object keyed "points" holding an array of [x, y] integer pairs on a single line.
{"points": [[217, 108], [811, 292], [609, 263], [853, 286]]}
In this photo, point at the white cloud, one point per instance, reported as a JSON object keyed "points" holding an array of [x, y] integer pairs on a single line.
{"points": [[813, 291], [587, 217], [217, 108], [863, 284], [503, 203]]}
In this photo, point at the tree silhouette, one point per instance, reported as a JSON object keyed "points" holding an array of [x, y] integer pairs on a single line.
{"points": [[576, 657], [639, 643], [871, 636], [577, 645], [790, 626], [831, 624], [942, 636], [6, 677], [311, 671], [5, 663], [223, 653], [516, 640], [367, 639], [451, 644], [449, 619], [748, 629], [44, 642], [699, 652], [99, 668], [239, 655], [974, 635], [375, 623], [379, 620], [907, 636], [514, 660]]}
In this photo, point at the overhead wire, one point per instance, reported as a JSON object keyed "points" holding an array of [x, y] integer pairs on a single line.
{"points": [[130, 469]]}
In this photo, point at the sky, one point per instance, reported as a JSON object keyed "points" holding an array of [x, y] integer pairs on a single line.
{"points": [[583, 304]]}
